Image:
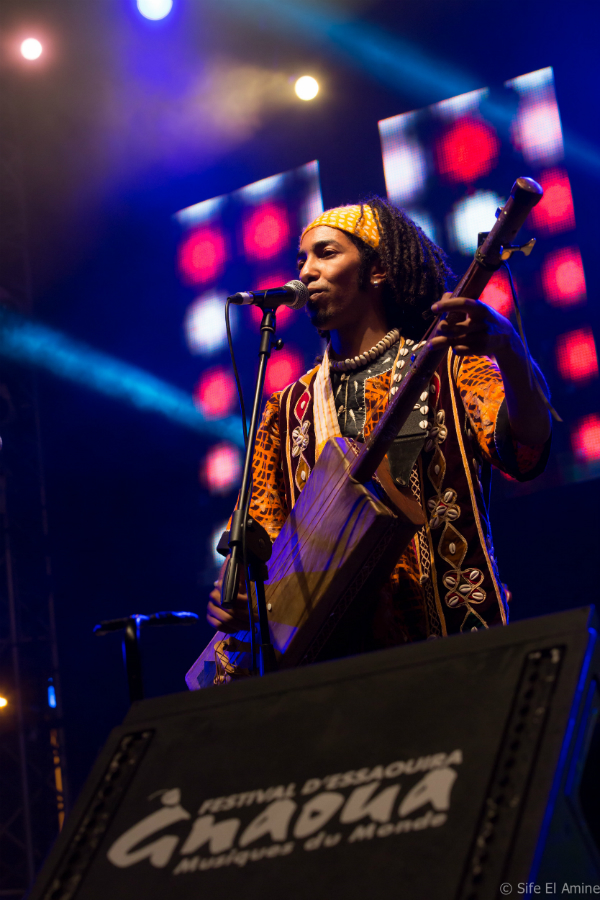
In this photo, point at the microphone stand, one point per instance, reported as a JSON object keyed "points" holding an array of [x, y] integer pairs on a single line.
{"points": [[247, 540]]}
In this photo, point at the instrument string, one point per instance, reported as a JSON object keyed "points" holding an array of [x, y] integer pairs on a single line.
{"points": [[532, 370], [315, 517]]}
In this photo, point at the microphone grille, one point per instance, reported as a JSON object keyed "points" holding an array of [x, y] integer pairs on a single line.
{"points": [[300, 292]]}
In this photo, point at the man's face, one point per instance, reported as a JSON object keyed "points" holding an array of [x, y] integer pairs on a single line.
{"points": [[329, 266]]}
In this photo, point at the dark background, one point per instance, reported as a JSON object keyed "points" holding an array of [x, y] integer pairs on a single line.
{"points": [[121, 123]]}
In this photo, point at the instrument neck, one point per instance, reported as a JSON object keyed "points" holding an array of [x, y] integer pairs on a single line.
{"points": [[523, 197]]}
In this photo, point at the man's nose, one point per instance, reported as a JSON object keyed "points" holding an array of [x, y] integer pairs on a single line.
{"points": [[308, 272]]}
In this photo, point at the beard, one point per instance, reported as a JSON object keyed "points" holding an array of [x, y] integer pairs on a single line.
{"points": [[318, 315]]}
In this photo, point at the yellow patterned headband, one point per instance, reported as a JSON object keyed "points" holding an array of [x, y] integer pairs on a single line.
{"points": [[353, 219]]}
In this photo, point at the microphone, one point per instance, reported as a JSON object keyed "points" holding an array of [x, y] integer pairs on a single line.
{"points": [[293, 294]]}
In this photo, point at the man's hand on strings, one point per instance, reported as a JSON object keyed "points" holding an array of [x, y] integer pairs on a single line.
{"points": [[472, 327], [228, 620]]}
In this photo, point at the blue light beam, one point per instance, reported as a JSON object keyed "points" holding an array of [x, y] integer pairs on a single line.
{"points": [[30, 342], [393, 61]]}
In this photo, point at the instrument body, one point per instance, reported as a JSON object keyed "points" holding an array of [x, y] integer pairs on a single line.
{"points": [[341, 540], [344, 536]]}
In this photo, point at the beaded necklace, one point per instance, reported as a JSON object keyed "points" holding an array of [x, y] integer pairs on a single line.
{"points": [[368, 356]]}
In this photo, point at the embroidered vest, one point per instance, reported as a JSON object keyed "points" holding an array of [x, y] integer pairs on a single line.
{"points": [[457, 571]]}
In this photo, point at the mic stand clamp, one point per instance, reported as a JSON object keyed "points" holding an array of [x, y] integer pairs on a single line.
{"points": [[246, 538]]}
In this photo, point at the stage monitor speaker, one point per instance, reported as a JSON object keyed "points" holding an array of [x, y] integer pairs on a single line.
{"points": [[457, 769]]}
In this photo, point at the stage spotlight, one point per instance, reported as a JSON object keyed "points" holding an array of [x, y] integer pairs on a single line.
{"points": [[31, 48], [3, 702], [155, 9], [307, 87]]}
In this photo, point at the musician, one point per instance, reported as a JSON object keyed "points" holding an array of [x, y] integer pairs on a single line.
{"points": [[372, 273]]}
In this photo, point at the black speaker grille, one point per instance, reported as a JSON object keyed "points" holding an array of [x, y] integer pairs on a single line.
{"points": [[104, 804], [490, 851]]}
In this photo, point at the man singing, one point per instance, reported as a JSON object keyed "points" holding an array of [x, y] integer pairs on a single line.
{"points": [[372, 273]]}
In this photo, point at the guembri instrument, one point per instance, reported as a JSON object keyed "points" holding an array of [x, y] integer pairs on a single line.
{"points": [[351, 522]]}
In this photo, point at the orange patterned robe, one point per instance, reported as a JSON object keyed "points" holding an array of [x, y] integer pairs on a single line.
{"points": [[447, 579]]}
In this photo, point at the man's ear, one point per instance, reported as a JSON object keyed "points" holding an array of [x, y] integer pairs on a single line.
{"points": [[377, 272]]}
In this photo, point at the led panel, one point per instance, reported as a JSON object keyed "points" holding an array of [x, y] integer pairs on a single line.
{"points": [[245, 240], [450, 166]]}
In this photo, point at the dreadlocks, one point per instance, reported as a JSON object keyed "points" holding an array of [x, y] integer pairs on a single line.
{"points": [[416, 268]]}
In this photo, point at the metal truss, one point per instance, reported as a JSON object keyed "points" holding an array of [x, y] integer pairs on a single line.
{"points": [[32, 769]]}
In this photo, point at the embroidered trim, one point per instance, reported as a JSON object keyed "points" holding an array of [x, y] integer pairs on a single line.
{"points": [[436, 626], [287, 444], [464, 586], [300, 438], [302, 473], [325, 415], [472, 494], [444, 510], [472, 612], [302, 405], [434, 400]]}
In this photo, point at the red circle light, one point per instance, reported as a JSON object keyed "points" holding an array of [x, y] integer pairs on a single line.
{"points": [[202, 256], [467, 151], [266, 231], [221, 469], [285, 366], [562, 277], [215, 393], [498, 294], [554, 213], [585, 439], [576, 356]]}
